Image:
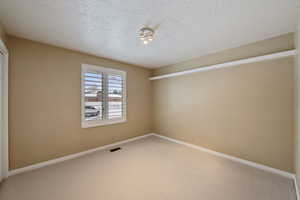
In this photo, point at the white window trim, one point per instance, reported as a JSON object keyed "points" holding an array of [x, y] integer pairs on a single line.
{"points": [[94, 123]]}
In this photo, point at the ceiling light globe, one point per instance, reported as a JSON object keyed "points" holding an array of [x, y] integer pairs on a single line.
{"points": [[146, 35]]}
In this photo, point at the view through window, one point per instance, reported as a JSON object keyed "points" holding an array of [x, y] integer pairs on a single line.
{"points": [[103, 95]]}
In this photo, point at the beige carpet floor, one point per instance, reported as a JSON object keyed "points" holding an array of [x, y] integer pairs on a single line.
{"points": [[148, 169]]}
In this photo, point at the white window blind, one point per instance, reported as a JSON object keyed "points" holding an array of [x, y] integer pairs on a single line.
{"points": [[103, 96]]}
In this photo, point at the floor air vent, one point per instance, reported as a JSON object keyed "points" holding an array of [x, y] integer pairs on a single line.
{"points": [[115, 149]]}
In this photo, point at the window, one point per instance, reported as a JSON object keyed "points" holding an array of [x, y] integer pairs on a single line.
{"points": [[103, 96]]}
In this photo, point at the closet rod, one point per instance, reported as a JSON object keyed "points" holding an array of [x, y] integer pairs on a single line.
{"points": [[272, 56]]}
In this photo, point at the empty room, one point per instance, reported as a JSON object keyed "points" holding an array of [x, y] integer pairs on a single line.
{"points": [[149, 100]]}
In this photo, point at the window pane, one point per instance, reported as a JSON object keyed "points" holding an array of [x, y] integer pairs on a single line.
{"points": [[93, 96], [115, 96]]}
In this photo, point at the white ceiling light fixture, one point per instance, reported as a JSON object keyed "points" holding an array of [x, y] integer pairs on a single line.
{"points": [[146, 35]]}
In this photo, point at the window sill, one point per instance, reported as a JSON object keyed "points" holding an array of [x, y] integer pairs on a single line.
{"points": [[89, 124]]}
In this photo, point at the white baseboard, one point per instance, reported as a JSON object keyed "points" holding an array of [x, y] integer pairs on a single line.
{"points": [[72, 156], [246, 162], [76, 155]]}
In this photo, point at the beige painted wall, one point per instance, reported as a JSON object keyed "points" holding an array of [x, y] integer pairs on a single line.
{"points": [[272, 45], [244, 111], [44, 103]]}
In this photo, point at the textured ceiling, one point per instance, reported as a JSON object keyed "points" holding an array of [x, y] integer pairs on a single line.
{"points": [[184, 28]]}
